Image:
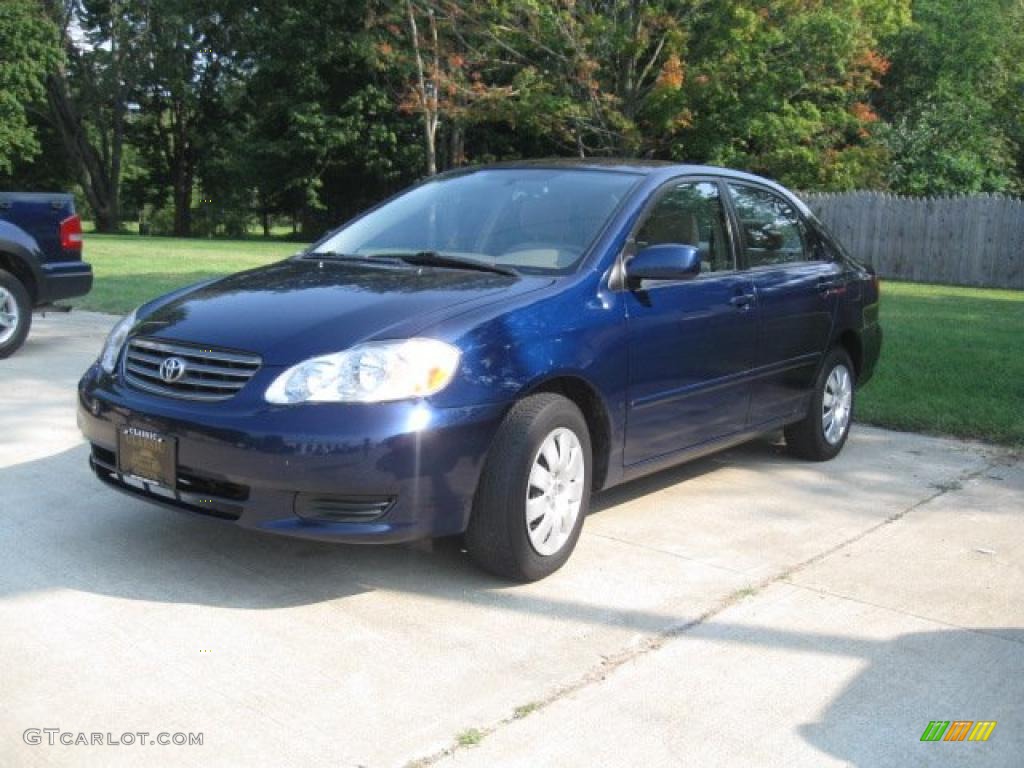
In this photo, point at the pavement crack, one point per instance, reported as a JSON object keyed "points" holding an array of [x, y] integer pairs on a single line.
{"points": [[940, 489], [910, 614]]}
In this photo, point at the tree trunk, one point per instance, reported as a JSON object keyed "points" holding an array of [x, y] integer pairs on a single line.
{"points": [[182, 201], [266, 223], [429, 138], [100, 183], [457, 146], [428, 96], [179, 153]]}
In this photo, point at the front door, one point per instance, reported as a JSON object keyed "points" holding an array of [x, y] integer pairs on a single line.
{"points": [[692, 342]]}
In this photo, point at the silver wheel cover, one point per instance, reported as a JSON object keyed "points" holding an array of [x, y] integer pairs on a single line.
{"points": [[554, 492], [10, 315], [837, 404]]}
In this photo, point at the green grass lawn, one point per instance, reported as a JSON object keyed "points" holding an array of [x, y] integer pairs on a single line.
{"points": [[130, 269], [952, 361]]}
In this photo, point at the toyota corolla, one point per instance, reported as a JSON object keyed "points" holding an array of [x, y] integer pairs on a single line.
{"points": [[480, 353]]}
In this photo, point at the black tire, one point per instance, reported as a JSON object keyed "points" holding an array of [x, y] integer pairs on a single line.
{"points": [[806, 439], [16, 290], [497, 536]]}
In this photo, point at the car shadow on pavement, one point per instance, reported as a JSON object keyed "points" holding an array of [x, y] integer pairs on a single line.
{"points": [[901, 684], [764, 449], [63, 529]]}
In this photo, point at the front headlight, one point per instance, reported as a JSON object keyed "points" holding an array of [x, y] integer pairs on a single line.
{"points": [[369, 373], [115, 340]]}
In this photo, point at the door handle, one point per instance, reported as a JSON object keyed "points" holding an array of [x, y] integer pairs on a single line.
{"points": [[742, 300], [829, 287]]}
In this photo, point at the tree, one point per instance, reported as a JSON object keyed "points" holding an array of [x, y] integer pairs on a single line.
{"points": [[216, 111], [423, 50], [89, 95], [777, 86], [583, 72], [314, 131], [953, 98], [428, 74], [783, 87], [29, 50], [191, 59]]}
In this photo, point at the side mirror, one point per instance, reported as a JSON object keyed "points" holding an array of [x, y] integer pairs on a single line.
{"points": [[664, 262]]}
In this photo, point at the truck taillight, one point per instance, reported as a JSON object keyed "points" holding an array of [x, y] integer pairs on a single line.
{"points": [[71, 234]]}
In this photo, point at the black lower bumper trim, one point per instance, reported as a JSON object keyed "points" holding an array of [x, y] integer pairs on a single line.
{"points": [[103, 464]]}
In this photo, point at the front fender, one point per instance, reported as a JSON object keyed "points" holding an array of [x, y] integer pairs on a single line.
{"points": [[573, 331]]}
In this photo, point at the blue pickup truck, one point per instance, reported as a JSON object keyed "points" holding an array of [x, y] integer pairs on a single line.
{"points": [[40, 260]]}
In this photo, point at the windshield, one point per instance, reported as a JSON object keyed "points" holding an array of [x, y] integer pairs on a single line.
{"points": [[536, 220]]}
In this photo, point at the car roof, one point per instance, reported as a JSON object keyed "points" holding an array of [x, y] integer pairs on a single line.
{"points": [[661, 168]]}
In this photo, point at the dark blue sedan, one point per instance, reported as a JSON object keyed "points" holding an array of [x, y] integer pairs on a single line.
{"points": [[478, 354]]}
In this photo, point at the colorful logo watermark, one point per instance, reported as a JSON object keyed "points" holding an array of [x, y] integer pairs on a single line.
{"points": [[958, 730]]}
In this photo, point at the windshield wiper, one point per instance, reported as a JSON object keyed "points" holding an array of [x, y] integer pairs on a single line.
{"points": [[338, 256], [437, 259]]}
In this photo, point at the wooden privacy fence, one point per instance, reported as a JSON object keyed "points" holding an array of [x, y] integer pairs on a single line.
{"points": [[962, 240]]}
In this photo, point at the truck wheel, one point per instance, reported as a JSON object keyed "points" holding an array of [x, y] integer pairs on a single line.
{"points": [[534, 491], [15, 314], [823, 432]]}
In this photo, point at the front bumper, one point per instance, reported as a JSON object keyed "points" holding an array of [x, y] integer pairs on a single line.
{"points": [[261, 465]]}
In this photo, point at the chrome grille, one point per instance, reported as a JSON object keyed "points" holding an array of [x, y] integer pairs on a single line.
{"points": [[209, 374]]}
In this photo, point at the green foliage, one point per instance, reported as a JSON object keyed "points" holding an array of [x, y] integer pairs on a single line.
{"points": [[947, 144], [781, 87], [29, 50], [471, 737], [777, 86], [953, 98]]}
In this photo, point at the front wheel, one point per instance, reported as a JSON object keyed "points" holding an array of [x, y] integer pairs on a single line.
{"points": [[15, 313], [534, 492], [823, 432]]}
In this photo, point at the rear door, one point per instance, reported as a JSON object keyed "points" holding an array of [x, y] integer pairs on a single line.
{"points": [[691, 342], [796, 295]]}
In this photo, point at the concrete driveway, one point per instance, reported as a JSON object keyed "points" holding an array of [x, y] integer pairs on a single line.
{"points": [[747, 609]]}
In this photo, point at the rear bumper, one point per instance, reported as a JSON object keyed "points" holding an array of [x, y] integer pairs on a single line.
{"points": [[871, 341], [269, 467], [64, 280]]}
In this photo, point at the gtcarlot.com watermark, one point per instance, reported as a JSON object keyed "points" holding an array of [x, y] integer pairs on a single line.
{"points": [[55, 736]]}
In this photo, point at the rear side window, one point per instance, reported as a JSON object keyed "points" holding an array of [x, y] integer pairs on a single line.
{"points": [[690, 214], [772, 231]]}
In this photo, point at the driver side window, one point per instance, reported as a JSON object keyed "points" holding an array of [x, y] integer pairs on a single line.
{"points": [[690, 214]]}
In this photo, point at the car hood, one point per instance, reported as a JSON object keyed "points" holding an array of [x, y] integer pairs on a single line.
{"points": [[293, 310]]}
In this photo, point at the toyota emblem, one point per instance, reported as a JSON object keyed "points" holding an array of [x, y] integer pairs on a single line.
{"points": [[172, 369]]}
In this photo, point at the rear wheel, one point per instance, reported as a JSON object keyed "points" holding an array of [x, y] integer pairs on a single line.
{"points": [[15, 313], [823, 432], [534, 492]]}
